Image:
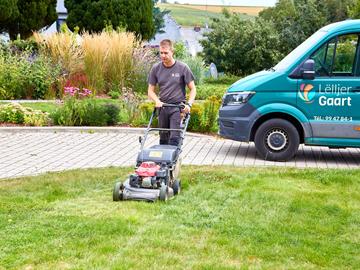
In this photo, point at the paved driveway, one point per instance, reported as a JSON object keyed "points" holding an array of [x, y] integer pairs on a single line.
{"points": [[30, 153]]}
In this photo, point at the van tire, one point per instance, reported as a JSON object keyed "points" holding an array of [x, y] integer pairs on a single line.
{"points": [[277, 140]]}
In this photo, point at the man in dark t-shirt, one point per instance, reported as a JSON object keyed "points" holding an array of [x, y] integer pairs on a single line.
{"points": [[172, 76]]}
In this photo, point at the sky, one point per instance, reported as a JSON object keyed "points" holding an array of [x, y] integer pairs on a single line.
{"points": [[228, 2]]}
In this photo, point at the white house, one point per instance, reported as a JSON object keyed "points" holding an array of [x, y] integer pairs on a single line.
{"points": [[62, 15]]}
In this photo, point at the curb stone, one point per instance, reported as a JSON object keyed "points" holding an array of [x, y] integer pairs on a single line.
{"points": [[86, 130]]}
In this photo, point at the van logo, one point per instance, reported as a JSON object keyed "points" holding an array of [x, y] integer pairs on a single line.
{"points": [[307, 92]]}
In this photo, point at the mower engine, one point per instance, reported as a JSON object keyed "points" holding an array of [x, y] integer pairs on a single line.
{"points": [[149, 175]]}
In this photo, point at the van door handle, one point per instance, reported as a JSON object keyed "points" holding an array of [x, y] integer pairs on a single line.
{"points": [[355, 89]]}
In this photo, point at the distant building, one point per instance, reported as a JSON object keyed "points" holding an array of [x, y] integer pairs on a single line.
{"points": [[171, 31], [62, 15]]}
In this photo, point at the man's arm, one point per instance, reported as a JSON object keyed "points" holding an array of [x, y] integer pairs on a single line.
{"points": [[192, 95], [152, 95]]}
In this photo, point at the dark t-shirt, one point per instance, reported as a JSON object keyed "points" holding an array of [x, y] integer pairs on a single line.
{"points": [[172, 81]]}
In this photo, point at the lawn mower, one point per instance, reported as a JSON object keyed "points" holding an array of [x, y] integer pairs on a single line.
{"points": [[157, 168]]}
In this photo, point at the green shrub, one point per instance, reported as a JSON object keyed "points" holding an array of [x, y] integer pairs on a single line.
{"points": [[210, 114], [195, 118], [36, 118], [197, 66], [204, 115], [24, 45], [12, 113], [112, 111], [242, 47], [225, 79], [24, 75], [72, 113], [17, 114], [114, 94], [143, 60], [128, 113], [145, 110], [129, 110], [180, 51], [85, 112], [42, 75], [95, 114], [207, 90], [12, 68]]}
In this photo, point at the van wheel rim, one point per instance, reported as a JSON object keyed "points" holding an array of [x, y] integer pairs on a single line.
{"points": [[277, 140]]}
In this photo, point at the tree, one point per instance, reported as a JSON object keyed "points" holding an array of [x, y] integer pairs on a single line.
{"points": [[135, 15], [294, 21], [23, 17], [335, 10], [354, 10], [8, 10], [241, 47], [159, 17]]}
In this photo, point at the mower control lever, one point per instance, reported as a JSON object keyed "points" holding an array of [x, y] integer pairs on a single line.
{"points": [[181, 106]]}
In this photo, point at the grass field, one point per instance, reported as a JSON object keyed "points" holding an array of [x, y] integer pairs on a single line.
{"points": [[252, 11], [225, 218], [191, 15]]}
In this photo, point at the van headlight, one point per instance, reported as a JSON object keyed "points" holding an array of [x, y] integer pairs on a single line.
{"points": [[237, 98]]}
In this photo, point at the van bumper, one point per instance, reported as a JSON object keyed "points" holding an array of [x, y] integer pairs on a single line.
{"points": [[236, 122]]}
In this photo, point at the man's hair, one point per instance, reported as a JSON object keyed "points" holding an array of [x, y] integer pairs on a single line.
{"points": [[168, 43]]}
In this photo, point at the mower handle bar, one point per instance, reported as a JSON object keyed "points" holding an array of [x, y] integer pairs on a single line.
{"points": [[165, 129], [181, 106], [149, 128]]}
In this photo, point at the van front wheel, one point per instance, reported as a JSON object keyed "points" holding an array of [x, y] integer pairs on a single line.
{"points": [[277, 140]]}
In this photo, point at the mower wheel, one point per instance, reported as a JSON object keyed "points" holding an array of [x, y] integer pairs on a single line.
{"points": [[176, 186], [117, 192], [163, 193]]}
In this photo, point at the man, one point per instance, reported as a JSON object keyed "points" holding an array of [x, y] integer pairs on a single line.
{"points": [[172, 76]]}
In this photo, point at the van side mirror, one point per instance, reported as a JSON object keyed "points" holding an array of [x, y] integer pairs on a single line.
{"points": [[308, 70]]}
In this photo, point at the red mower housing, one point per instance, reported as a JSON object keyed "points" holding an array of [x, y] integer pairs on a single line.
{"points": [[148, 168]]}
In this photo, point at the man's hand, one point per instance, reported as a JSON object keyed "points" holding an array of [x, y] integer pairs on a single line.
{"points": [[158, 104], [186, 109]]}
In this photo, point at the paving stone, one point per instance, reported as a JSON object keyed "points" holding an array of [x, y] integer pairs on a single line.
{"points": [[31, 153]]}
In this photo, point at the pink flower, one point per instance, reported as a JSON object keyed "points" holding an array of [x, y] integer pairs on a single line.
{"points": [[86, 91], [75, 91]]}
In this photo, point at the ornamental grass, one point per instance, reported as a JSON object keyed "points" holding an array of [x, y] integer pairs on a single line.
{"points": [[63, 48], [106, 58]]}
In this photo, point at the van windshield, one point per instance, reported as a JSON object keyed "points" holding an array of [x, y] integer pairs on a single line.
{"points": [[299, 51]]}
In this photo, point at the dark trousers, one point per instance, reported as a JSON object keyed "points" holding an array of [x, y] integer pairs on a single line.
{"points": [[169, 118]]}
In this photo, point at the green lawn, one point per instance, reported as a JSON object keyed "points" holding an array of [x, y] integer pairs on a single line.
{"points": [[188, 16], [51, 106], [225, 218], [42, 106]]}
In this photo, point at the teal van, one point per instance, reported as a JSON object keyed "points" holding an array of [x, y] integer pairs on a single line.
{"points": [[312, 96]]}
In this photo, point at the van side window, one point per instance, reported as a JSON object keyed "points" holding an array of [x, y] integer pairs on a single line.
{"points": [[337, 57]]}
